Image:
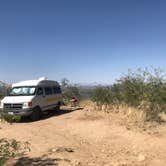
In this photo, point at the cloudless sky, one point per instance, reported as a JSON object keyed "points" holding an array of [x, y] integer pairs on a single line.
{"points": [[83, 40]]}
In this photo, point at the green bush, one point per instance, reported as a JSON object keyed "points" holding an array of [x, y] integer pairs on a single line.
{"points": [[101, 95], [11, 148], [143, 89], [10, 118]]}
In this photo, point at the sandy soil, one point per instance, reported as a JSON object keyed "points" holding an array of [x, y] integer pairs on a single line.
{"points": [[83, 138]]}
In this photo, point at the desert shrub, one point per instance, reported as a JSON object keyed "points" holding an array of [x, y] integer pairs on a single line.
{"points": [[10, 118], [1, 95], [143, 89], [4, 89], [101, 95], [69, 90], [11, 148]]}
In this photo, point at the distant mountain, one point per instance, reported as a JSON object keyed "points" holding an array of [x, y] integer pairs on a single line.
{"points": [[86, 90]]}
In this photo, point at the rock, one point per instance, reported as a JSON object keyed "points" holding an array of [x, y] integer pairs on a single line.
{"points": [[53, 150], [76, 162], [102, 150], [103, 108], [141, 157], [70, 150], [123, 163], [62, 149], [162, 116], [128, 127]]}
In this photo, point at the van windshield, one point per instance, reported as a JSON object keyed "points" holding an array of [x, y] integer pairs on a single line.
{"points": [[23, 91]]}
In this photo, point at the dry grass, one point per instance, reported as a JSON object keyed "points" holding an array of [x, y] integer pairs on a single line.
{"points": [[130, 113], [132, 118]]}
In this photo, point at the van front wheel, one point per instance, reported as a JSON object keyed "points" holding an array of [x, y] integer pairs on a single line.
{"points": [[35, 114]]}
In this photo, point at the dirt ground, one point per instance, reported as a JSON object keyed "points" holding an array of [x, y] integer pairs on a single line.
{"points": [[80, 137]]}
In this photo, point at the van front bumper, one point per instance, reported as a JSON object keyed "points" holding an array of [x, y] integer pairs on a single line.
{"points": [[22, 112]]}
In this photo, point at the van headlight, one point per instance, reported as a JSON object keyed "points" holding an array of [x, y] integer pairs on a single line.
{"points": [[27, 104]]}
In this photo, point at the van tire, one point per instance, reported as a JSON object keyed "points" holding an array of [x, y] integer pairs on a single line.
{"points": [[57, 108], [36, 114]]}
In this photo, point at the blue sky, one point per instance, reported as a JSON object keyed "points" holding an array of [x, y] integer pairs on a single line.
{"points": [[85, 41]]}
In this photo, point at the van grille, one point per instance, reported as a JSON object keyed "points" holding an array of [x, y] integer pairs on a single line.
{"points": [[12, 106]]}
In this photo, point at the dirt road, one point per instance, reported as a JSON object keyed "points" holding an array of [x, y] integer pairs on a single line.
{"points": [[86, 138]]}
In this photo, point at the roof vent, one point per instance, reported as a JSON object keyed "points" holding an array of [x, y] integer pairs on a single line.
{"points": [[42, 78]]}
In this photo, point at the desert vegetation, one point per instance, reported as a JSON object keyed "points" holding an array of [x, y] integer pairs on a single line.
{"points": [[11, 148], [4, 89], [69, 90], [142, 89]]}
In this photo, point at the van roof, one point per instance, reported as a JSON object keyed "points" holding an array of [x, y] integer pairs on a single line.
{"points": [[39, 82]]}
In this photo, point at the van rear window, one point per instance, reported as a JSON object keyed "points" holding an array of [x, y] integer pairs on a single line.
{"points": [[48, 90], [56, 90]]}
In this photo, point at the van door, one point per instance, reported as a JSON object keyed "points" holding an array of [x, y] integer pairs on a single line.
{"points": [[41, 98], [57, 94], [49, 98]]}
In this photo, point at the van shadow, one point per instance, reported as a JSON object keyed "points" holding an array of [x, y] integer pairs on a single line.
{"points": [[51, 113], [26, 161]]}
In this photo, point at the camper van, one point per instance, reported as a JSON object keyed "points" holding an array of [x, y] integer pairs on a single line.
{"points": [[31, 98]]}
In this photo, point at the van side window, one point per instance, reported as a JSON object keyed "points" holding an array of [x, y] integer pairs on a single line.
{"points": [[40, 91], [48, 91], [56, 90], [59, 90]]}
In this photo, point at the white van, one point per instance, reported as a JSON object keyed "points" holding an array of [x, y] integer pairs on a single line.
{"points": [[30, 98]]}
